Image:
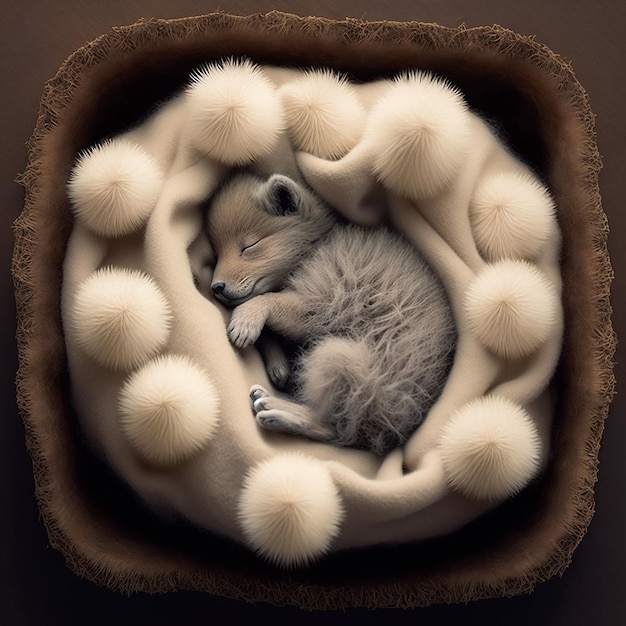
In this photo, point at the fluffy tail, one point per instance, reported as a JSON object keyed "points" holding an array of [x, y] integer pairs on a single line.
{"points": [[355, 393]]}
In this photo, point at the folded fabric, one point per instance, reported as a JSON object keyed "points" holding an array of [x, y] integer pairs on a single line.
{"points": [[163, 396]]}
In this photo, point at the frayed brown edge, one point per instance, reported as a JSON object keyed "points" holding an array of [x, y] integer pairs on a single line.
{"points": [[40, 381]]}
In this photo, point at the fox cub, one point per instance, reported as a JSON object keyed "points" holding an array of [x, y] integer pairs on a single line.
{"points": [[374, 325]]}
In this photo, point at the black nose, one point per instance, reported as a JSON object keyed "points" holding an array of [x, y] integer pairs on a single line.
{"points": [[218, 288]]}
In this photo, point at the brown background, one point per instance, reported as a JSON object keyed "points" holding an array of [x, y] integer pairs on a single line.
{"points": [[35, 586]]}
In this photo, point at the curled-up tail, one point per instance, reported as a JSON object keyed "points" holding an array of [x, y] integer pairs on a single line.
{"points": [[366, 404]]}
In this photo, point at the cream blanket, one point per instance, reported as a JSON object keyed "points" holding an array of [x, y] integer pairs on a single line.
{"points": [[408, 150]]}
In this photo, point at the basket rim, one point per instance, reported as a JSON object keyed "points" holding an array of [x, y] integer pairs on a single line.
{"points": [[57, 95]]}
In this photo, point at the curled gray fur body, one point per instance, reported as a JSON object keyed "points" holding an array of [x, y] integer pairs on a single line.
{"points": [[376, 326]]}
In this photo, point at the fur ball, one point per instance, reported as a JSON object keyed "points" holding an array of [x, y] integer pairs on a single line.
{"points": [[420, 129], [169, 409], [290, 509], [114, 187], [120, 318], [490, 449], [323, 114], [511, 215], [235, 114], [511, 308]]}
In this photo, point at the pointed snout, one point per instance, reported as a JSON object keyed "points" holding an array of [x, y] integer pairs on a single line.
{"points": [[227, 296]]}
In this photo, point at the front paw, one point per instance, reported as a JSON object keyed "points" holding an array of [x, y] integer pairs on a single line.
{"points": [[245, 325]]}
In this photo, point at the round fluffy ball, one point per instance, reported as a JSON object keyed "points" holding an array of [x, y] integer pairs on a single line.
{"points": [[169, 410], [323, 114], [511, 216], [490, 449], [290, 509], [511, 308], [420, 131], [235, 114], [120, 317], [114, 187]]}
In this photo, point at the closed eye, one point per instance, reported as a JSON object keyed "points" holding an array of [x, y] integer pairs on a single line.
{"points": [[249, 246]]}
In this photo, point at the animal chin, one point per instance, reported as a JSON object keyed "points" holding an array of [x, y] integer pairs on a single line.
{"points": [[262, 285], [232, 302]]}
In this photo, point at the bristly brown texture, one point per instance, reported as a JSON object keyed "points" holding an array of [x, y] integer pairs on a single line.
{"points": [[536, 104]]}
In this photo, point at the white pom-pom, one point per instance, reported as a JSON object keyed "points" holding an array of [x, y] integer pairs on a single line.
{"points": [[511, 216], [290, 509], [120, 317], [235, 114], [323, 113], [511, 308], [420, 131], [169, 409], [490, 449], [114, 187]]}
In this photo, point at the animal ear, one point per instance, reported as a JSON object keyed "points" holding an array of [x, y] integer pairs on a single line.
{"points": [[282, 195]]}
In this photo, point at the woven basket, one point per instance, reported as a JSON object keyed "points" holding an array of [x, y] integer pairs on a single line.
{"points": [[536, 104]]}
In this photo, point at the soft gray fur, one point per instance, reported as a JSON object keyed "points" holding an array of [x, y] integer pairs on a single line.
{"points": [[375, 322]]}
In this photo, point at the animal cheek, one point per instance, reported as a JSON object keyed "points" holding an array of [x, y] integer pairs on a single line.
{"points": [[280, 266]]}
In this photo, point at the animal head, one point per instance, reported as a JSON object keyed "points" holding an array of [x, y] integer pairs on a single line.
{"points": [[259, 230]]}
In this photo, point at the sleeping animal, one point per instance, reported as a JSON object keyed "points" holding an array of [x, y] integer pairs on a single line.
{"points": [[375, 327]]}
